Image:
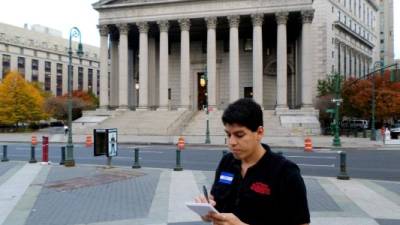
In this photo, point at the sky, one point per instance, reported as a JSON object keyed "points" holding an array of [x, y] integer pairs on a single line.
{"points": [[65, 14]]}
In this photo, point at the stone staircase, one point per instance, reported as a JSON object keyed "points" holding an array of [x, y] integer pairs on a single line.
{"points": [[272, 125], [157, 123]]}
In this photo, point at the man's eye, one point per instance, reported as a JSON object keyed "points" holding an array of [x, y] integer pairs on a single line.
{"points": [[239, 135]]}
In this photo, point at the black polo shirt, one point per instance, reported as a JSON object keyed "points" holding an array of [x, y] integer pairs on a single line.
{"points": [[271, 193]]}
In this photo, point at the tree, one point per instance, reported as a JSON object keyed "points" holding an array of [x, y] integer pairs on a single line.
{"points": [[57, 107], [20, 101], [357, 97]]}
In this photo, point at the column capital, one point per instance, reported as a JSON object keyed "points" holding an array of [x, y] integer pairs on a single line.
{"points": [[163, 25], [337, 41], [184, 24], [307, 16], [281, 17], [123, 28], [143, 27], [234, 21], [211, 22], [103, 29], [257, 19]]}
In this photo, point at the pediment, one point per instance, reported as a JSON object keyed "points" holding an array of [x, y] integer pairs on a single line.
{"points": [[119, 3]]}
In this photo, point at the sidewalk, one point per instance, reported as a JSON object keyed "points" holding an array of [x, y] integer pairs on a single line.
{"points": [[34, 194], [317, 141]]}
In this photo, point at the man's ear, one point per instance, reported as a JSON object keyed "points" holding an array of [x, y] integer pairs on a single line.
{"points": [[260, 133]]}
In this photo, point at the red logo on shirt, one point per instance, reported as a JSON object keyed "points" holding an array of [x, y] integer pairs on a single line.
{"points": [[261, 188]]}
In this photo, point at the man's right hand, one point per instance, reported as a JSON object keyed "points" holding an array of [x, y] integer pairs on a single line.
{"points": [[202, 199]]}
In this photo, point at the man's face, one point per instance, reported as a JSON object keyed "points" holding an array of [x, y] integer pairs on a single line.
{"points": [[242, 141]]}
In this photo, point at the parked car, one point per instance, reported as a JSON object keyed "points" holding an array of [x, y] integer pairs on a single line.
{"points": [[395, 130], [355, 124]]}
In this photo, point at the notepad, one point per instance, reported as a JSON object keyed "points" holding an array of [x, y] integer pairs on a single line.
{"points": [[201, 209]]}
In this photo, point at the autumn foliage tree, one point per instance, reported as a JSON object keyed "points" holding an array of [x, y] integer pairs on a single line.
{"points": [[357, 97], [20, 101], [57, 107]]}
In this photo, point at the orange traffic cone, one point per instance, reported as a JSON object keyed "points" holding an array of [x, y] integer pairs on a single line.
{"points": [[308, 145], [89, 140]]}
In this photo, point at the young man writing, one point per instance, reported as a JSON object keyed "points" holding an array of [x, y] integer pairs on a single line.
{"points": [[252, 184]]}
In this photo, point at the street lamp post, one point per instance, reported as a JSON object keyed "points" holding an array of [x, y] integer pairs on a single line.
{"points": [[373, 107], [69, 157], [337, 101], [203, 82]]}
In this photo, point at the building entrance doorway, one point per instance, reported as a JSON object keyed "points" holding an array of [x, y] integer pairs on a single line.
{"points": [[201, 92]]}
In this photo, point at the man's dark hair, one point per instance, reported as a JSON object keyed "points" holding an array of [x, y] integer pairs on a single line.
{"points": [[244, 112]]}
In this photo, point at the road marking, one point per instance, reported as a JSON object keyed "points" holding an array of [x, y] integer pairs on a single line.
{"points": [[316, 165], [311, 157]]}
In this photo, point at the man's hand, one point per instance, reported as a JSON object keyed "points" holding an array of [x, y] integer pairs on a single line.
{"points": [[225, 219], [202, 199]]}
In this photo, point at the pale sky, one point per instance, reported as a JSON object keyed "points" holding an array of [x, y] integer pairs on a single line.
{"points": [[65, 14]]}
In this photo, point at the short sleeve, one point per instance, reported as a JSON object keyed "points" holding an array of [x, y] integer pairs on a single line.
{"points": [[294, 196]]}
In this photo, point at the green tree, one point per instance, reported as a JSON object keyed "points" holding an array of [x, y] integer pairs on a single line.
{"points": [[20, 102]]}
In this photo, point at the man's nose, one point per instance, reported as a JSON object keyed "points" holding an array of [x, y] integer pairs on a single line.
{"points": [[232, 140]]}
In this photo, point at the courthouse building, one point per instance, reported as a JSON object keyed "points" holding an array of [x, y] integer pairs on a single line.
{"points": [[40, 54], [271, 50]]}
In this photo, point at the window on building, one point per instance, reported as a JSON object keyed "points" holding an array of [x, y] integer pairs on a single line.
{"points": [[80, 78], [98, 82], [90, 80], [6, 64], [21, 66], [47, 76], [35, 70], [59, 90]]}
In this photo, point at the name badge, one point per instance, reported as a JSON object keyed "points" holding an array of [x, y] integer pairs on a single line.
{"points": [[226, 178]]}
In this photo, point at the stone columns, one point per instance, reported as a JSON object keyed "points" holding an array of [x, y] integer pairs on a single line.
{"points": [[123, 66], [143, 65], [257, 20], [114, 71], [234, 58], [211, 62], [164, 64], [338, 56], [307, 62], [185, 63], [281, 84], [104, 30]]}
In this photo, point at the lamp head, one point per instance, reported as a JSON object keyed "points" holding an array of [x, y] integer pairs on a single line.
{"points": [[80, 50], [202, 81]]}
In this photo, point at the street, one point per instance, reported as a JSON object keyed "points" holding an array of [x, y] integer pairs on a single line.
{"points": [[366, 164]]}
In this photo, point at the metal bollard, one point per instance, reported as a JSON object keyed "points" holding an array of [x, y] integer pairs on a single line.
{"points": [[355, 131], [62, 162], [364, 133], [33, 160], [136, 165], [178, 166], [4, 158], [347, 132], [343, 174], [224, 152]]}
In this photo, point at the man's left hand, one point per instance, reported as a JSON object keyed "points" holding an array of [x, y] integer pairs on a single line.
{"points": [[225, 219]]}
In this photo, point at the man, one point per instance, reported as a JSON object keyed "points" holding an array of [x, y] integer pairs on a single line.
{"points": [[252, 184]]}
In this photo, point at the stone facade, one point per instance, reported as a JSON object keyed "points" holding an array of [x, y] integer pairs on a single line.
{"points": [[273, 51], [387, 32], [43, 57]]}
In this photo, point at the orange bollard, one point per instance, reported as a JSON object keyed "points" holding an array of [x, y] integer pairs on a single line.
{"points": [[34, 140], [308, 145], [89, 141]]}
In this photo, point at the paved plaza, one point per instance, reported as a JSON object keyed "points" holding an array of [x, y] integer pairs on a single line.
{"points": [[33, 194]]}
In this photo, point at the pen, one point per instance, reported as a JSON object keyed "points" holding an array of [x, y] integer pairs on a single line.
{"points": [[205, 192]]}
